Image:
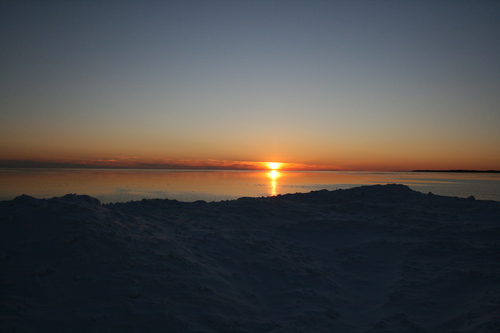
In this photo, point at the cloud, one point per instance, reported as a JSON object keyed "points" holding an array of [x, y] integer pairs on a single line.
{"points": [[138, 163]]}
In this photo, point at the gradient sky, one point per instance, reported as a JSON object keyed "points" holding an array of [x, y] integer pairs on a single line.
{"points": [[361, 85]]}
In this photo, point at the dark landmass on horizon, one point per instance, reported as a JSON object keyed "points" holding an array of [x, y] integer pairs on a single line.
{"points": [[460, 170]]}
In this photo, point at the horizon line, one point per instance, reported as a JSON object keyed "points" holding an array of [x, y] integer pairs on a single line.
{"points": [[194, 165], [235, 166], [145, 166]]}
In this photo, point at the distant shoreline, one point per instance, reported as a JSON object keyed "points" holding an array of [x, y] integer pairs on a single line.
{"points": [[460, 171]]}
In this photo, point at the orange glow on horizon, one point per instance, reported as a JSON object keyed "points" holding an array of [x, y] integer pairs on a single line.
{"points": [[140, 162]]}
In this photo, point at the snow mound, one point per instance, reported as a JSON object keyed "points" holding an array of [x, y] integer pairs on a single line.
{"points": [[367, 259]]}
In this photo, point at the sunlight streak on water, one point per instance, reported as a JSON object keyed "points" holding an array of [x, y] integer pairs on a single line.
{"points": [[273, 176]]}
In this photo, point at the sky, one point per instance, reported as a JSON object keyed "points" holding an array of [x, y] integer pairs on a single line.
{"points": [[347, 85]]}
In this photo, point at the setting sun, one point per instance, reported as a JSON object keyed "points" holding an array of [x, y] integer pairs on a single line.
{"points": [[273, 165]]}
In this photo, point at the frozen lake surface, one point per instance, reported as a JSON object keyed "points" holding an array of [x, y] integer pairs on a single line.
{"points": [[367, 259]]}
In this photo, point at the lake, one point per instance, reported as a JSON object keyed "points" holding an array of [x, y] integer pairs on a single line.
{"points": [[121, 185]]}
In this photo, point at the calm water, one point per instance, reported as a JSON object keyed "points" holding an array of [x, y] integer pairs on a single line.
{"points": [[190, 185]]}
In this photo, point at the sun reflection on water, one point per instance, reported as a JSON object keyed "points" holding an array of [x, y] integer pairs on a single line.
{"points": [[273, 176]]}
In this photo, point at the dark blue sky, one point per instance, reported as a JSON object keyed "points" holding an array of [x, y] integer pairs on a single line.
{"points": [[347, 84]]}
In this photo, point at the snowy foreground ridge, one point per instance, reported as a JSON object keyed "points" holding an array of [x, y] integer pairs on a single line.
{"points": [[367, 259]]}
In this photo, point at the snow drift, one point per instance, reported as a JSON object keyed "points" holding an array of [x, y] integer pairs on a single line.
{"points": [[368, 259]]}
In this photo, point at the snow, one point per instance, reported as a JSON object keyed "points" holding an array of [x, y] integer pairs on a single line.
{"points": [[380, 258]]}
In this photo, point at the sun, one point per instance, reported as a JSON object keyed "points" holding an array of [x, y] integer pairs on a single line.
{"points": [[273, 165]]}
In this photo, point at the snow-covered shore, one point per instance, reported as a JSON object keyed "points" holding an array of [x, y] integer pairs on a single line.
{"points": [[367, 259]]}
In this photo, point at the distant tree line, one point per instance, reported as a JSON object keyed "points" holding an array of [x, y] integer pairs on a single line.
{"points": [[470, 171]]}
